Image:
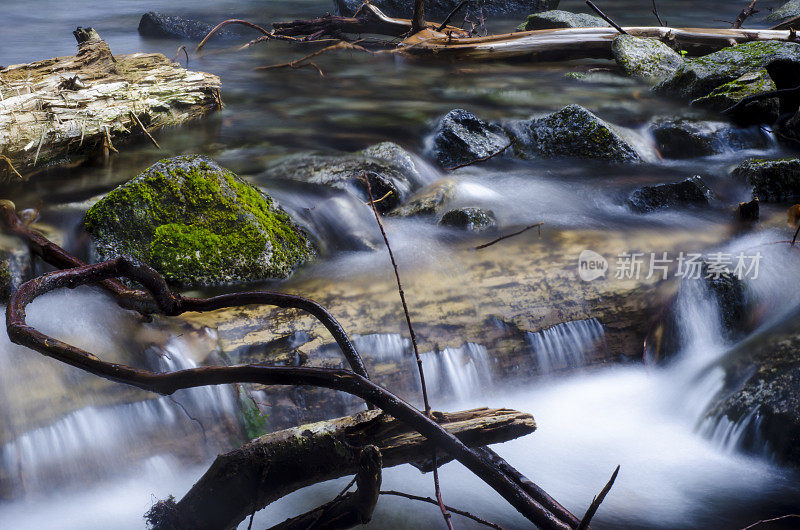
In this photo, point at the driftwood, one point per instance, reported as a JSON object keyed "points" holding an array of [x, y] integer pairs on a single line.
{"points": [[58, 108], [276, 464]]}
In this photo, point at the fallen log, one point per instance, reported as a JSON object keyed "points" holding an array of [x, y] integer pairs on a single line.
{"points": [[58, 108], [576, 43], [272, 466]]}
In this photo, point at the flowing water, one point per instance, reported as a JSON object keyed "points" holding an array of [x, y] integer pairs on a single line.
{"points": [[81, 453]]}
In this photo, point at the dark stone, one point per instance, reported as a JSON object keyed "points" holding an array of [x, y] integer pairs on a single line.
{"points": [[475, 219], [691, 191], [772, 180], [729, 292], [561, 19], [159, 25], [750, 84], [686, 138], [461, 137], [437, 10], [748, 211]]}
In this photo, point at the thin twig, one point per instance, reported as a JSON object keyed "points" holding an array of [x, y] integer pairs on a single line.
{"points": [[482, 159], [177, 53], [746, 12], [379, 200], [198, 422], [11, 167], [587, 518], [492, 242], [299, 63], [451, 15], [655, 12], [774, 519], [225, 23], [795, 235], [438, 491], [144, 129], [605, 17], [463, 513]]}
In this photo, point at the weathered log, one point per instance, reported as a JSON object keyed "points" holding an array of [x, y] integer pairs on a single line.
{"points": [[274, 465], [57, 108], [576, 43]]}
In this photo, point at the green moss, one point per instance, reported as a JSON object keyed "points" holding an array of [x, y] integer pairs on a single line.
{"points": [[197, 224], [5, 281]]}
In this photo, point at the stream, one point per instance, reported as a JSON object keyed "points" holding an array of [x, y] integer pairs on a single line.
{"points": [[95, 455]]}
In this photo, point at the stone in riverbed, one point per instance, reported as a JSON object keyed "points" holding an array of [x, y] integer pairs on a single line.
{"points": [[197, 224], [429, 200], [698, 77], [437, 10], [160, 25], [461, 138], [474, 219], [686, 138], [388, 167], [692, 191], [751, 83], [787, 11], [649, 60], [557, 18], [772, 180], [572, 132]]}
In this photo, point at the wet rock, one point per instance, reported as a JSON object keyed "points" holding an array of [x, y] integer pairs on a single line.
{"points": [[692, 191], [750, 84], [687, 138], [731, 297], [461, 137], [160, 25], [561, 19], [748, 212], [787, 11], [437, 10], [429, 200], [388, 167], [197, 224], [573, 132], [772, 180], [698, 77], [475, 219], [650, 60]]}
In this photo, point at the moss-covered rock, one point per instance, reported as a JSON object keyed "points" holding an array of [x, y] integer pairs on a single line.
{"points": [[692, 191], [649, 60], [573, 132], [688, 138], [389, 168], [197, 224], [557, 18], [439, 9], [749, 84], [789, 10], [698, 77], [772, 180], [429, 200], [461, 137], [475, 219]]}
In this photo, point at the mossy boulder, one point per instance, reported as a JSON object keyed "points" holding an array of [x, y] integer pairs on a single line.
{"points": [[692, 191], [573, 132], [698, 77], [688, 138], [461, 137], [649, 60], [429, 200], [388, 167], [749, 84], [557, 18], [789, 10], [772, 180], [197, 224], [474, 219], [439, 9]]}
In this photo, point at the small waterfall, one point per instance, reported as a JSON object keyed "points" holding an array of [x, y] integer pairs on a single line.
{"points": [[462, 371], [566, 346], [744, 434]]}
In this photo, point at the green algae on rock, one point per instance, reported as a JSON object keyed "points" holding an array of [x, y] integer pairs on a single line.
{"points": [[698, 77], [649, 60], [749, 84], [772, 180], [197, 224]]}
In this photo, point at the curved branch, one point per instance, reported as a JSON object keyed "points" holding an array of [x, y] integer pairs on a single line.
{"points": [[227, 23], [167, 383]]}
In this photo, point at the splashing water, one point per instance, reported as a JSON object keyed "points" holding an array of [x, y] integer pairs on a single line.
{"points": [[566, 346]]}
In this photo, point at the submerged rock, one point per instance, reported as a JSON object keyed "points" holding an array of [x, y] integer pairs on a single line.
{"points": [[437, 10], [387, 166], [687, 138], [461, 137], [429, 200], [573, 132], [561, 19], [692, 191], [197, 224], [698, 77], [772, 180], [160, 25], [749, 84], [650, 60], [475, 219]]}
